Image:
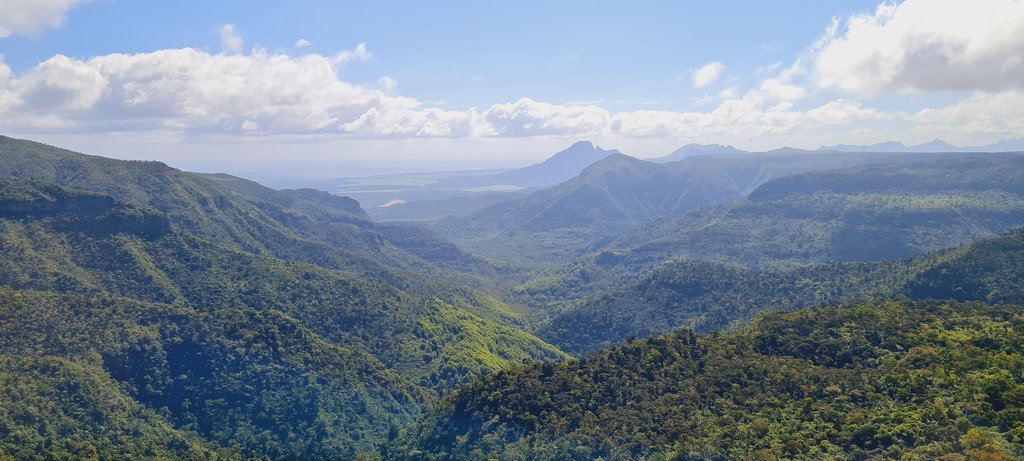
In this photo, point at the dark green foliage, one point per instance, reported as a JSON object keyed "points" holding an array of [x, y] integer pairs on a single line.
{"points": [[707, 296], [854, 214], [279, 324], [254, 381], [57, 408], [293, 225], [891, 380], [791, 231], [399, 329], [988, 270], [620, 192]]}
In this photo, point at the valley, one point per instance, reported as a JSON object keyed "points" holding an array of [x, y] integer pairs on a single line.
{"points": [[216, 318]]}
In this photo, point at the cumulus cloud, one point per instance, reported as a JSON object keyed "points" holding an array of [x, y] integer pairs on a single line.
{"points": [[925, 45], [190, 90], [358, 54], [262, 94], [745, 118], [230, 40], [707, 74], [982, 115], [302, 43], [527, 117], [193, 91], [32, 17]]}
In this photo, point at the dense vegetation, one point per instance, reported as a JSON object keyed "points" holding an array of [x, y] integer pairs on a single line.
{"points": [[620, 192], [856, 214], [256, 382], [230, 318], [708, 296], [890, 380], [147, 312]]}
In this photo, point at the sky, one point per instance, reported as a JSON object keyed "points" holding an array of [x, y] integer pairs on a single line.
{"points": [[331, 88]]}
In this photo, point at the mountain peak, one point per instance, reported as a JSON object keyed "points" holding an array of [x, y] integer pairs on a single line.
{"points": [[583, 147], [557, 168], [934, 145], [693, 149], [579, 145]]}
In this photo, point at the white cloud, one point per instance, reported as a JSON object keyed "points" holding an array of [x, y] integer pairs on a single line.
{"points": [[981, 116], [194, 92], [230, 41], [707, 74], [302, 43], [191, 90], [779, 90], [729, 93], [925, 45], [262, 95], [358, 54], [32, 17], [387, 84], [527, 117]]}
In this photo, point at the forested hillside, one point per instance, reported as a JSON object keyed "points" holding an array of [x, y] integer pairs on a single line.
{"points": [[707, 296], [256, 382], [856, 214], [149, 312], [619, 193], [290, 334], [925, 380]]}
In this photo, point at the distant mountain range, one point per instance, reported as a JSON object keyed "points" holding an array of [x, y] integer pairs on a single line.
{"points": [[935, 145], [619, 192]]}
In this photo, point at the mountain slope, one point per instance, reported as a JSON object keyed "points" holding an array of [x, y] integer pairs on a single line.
{"points": [[895, 381], [855, 214], [708, 296], [270, 357], [255, 381], [620, 192], [299, 225], [413, 334], [56, 408], [560, 167], [862, 213]]}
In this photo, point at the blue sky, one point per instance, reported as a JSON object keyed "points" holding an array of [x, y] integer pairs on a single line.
{"points": [[467, 54], [386, 86]]}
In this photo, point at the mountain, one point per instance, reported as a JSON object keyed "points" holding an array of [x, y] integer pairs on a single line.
{"points": [[275, 324], [1003, 145], [294, 225], [435, 195], [860, 213], [691, 150], [927, 380], [935, 145], [560, 167], [854, 215], [125, 251], [887, 146], [706, 296], [619, 193]]}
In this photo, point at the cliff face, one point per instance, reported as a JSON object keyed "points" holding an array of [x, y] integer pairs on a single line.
{"points": [[73, 211]]}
